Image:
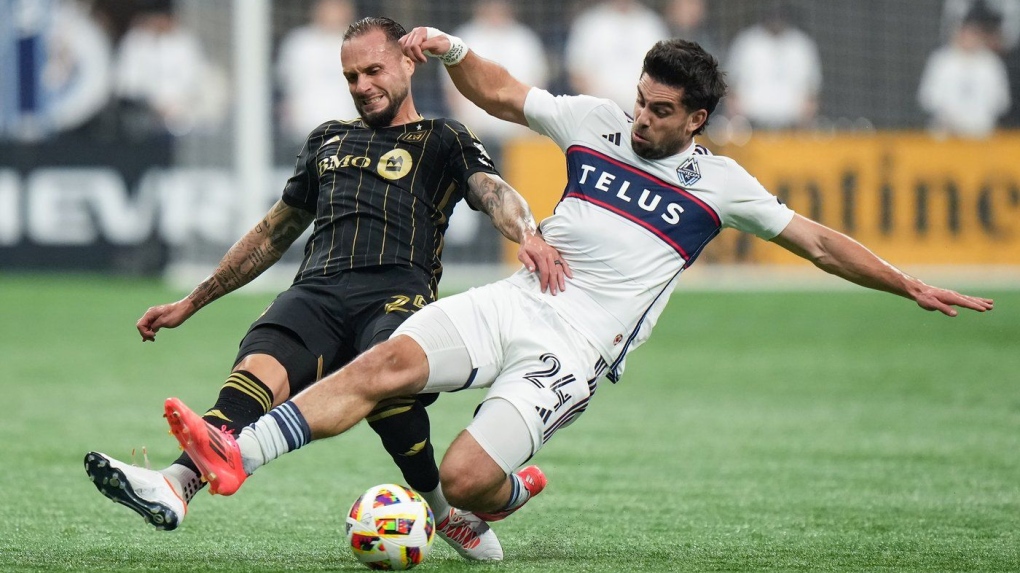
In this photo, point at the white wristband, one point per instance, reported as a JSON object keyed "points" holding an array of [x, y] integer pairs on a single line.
{"points": [[458, 49]]}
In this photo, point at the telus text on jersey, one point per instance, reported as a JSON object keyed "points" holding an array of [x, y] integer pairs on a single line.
{"points": [[649, 201]]}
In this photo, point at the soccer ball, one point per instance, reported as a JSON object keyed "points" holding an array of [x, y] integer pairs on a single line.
{"points": [[390, 527]]}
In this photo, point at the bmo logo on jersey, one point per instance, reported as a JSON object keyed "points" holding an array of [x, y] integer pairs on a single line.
{"points": [[334, 162], [392, 165], [673, 214]]}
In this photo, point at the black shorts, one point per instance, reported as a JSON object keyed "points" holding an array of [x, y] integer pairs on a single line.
{"points": [[334, 319]]}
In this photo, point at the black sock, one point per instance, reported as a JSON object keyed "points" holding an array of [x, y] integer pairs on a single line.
{"points": [[403, 426], [242, 400]]}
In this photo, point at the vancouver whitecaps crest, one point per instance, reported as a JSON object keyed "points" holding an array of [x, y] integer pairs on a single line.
{"points": [[689, 172]]}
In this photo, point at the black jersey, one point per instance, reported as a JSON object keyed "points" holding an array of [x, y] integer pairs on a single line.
{"points": [[382, 196]]}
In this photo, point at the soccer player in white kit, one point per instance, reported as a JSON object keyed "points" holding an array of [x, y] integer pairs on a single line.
{"points": [[641, 202]]}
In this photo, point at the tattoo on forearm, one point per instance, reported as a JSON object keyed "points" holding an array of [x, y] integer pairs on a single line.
{"points": [[489, 193], [289, 230], [508, 210], [255, 252], [204, 293]]}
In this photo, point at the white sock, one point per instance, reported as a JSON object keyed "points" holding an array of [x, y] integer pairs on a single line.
{"points": [[281, 430], [518, 493], [437, 501], [260, 443], [184, 481]]}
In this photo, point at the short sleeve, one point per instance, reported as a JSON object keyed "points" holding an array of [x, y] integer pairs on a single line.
{"points": [[302, 188], [752, 208], [558, 117], [468, 155]]}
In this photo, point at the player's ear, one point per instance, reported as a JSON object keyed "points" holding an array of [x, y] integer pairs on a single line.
{"points": [[696, 120], [409, 65]]}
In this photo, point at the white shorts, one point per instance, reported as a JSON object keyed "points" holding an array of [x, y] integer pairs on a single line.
{"points": [[498, 337]]}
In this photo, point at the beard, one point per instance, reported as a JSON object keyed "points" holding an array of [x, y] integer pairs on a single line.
{"points": [[650, 151], [646, 150], [383, 117]]}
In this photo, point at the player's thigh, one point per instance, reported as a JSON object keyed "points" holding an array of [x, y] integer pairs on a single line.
{"points": [[500, 338], [302, 322], [465, 336], [396, 296], [380, 299], [549, 374], [446, 351]]}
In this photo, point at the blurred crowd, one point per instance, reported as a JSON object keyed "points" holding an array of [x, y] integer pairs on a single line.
{"points": [[76, 70], [132, 69]]}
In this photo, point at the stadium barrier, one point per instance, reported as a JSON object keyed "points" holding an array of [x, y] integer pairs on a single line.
{"points": [[916, 201]]}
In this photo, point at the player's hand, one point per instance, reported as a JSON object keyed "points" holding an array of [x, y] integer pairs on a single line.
{"points": [[537, 255], [945, 301], [164, 316], [417, 45]]}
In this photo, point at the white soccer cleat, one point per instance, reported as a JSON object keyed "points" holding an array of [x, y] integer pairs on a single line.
{"points": [[145, 491], [470, 536]]}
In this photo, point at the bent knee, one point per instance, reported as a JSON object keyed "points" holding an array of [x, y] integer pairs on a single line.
{"points": [[462, 487], [466, 480]]}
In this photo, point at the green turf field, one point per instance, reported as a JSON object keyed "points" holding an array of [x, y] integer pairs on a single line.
{"points": [[842, 431]]}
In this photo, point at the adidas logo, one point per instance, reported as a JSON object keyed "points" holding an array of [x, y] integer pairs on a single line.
{"points": [[544, 413], [613, 138]]}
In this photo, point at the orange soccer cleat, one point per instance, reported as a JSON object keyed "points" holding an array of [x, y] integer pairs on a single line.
{"points": [[534, 481], [215, 452]]}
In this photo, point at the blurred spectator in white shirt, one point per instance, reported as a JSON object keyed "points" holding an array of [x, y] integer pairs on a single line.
{"points": [[606, 47], [964, 86], [774, 73], [495, 34], [161, 66], [688, 19], [954, 12], [311, 76], [78, 67]]}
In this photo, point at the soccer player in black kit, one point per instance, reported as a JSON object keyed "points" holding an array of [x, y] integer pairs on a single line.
{"points": [[380, 191]]}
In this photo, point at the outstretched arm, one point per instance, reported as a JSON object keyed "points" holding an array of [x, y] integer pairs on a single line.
{"points": [[512, 216], [255, 252], [486, 83], [844, 257]]}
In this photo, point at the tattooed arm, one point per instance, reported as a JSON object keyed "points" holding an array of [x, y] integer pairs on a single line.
{"points": [[503, 204], [257, 250], [512, 216]]}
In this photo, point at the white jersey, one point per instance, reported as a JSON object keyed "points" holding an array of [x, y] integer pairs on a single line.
{"points": [[628, 226]]}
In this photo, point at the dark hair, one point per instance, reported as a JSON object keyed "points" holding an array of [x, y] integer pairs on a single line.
{"points": [[683, 64], [391, 28], [981, 15]]}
